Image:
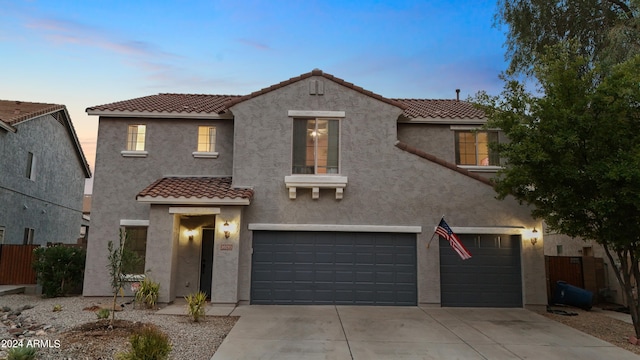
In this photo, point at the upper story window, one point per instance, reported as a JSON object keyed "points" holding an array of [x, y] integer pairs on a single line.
{"points": [[472, 148], [316, 146], [206, 143], [206, 138], [136, 137], [31, 166]]}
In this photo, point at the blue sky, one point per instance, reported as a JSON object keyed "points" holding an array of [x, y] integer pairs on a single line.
{"points": [[85, 53]]}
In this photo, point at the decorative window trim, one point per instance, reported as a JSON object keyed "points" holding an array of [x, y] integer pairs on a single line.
{"points": [[134, 153], [132, 277], [131, 222], [315, 183], [316, 113], [478, 168], [205, 155]]}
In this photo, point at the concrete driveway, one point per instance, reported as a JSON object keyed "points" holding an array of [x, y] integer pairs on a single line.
{"points": [[363, 332]]}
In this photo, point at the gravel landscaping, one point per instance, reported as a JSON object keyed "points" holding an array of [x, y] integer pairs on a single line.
{"points": [[74, 332], [59, 335]]}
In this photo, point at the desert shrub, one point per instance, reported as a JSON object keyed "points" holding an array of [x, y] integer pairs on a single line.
{"points": [[59, 269], [103, 313], [57, 307], [196, 305], [149, 343], [148, 293], [21, 353]]}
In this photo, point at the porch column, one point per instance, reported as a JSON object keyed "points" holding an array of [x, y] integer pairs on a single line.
{"points": [[226, 255]]}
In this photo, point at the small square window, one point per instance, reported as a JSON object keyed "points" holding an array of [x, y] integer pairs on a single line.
{"points": [[472, 148], [136, 137], [206, 138]]}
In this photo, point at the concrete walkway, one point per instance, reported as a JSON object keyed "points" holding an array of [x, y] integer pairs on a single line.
{"points": [[362, 332]]}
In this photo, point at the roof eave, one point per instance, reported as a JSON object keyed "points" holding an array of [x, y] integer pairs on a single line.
{"points": [[192, 200], [158, 115], [7, 127], [443, 121], [85, 164]]}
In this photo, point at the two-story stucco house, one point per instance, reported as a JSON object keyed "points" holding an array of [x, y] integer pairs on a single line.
{"points": [[310, 191], [42, 174]]}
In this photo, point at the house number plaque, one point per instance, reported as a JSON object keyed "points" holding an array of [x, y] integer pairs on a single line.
{"points": [[226, 247]]}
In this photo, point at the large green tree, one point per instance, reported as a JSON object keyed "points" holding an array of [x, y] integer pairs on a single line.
{"points": [[574, 153], [606, 31]]}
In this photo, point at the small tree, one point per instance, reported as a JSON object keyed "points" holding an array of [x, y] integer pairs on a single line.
{"points": [[121, 262], [574, 154]]}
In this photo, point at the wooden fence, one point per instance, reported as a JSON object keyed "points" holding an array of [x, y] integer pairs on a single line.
{"points": [[15, 264], [584, 272]]}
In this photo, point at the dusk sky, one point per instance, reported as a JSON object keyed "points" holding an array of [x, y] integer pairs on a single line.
{"points": [[86, 53]]}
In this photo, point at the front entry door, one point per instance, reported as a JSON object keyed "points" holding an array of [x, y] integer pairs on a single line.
{"points": [[206, 264]]}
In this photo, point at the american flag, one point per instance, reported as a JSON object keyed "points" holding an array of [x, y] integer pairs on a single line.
{"points": [[445, 231]]}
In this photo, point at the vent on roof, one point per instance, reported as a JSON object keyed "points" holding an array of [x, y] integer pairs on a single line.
{"points": [[316, 87], [457, 94]]}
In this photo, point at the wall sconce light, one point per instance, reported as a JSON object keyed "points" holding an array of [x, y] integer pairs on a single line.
{"points": [[190, 233], [534, 236], [227, 229]]}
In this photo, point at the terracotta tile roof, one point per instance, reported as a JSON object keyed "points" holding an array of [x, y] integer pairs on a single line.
{"points": [[171, 103], [220, 104], [195, 187], [427, 108], [13, 112], [437, 160], [315, 72]]}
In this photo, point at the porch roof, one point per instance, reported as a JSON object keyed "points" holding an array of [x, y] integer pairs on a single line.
{"points": [[195, 190]]}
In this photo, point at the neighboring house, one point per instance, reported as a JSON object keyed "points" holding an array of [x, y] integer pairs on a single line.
{"points": [[42, 174], [310, 191]]}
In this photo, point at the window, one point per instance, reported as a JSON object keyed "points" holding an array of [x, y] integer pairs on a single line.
{"points": [[206, 138], [558, 249], [472, 148], [31, 166], [315, 146], [135, 137], [28, 236], [137, 242], [1, 235]]}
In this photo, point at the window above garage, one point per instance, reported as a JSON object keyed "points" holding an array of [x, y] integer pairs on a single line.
{"points": [[315, 161]]}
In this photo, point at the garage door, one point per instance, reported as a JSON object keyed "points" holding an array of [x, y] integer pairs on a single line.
{"points": [[491, 278], [333, 268]]}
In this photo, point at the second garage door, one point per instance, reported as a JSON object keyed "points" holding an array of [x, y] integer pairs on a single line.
{"points": [[290, 267], [491, 278]]}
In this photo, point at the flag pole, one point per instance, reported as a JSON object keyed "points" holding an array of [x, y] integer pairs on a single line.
{"points": [[434, 234]]}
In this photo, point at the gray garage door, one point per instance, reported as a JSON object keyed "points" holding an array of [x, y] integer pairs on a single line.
{"points": [[491, 278], [333, 268]]}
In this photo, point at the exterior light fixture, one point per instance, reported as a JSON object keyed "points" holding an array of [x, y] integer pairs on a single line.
{"points": [[227, 229], [190, 233], [534, 236]]}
